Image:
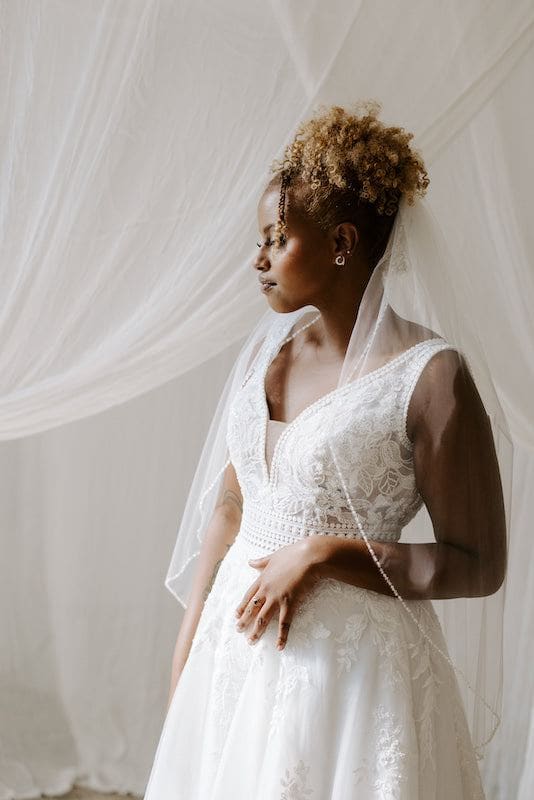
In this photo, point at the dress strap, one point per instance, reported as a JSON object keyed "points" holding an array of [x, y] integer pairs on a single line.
{"points": [[414, 371]]}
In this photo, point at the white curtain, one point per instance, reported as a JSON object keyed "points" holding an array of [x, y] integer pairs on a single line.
{"points": [[136, 137]]}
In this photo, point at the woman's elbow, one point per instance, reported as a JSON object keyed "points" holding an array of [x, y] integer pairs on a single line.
{"points": [[494, 573]]}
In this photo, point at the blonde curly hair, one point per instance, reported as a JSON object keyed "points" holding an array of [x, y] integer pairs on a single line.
{"points": [[345, 164]]}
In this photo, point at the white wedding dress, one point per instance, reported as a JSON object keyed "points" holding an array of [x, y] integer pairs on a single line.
{"points": [[358, 706]]}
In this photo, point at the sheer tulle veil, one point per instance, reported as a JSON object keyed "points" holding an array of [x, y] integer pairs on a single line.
{"points": [[409, 298]]}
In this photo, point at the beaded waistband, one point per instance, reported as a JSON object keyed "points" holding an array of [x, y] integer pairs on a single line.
{"points": [[266, 527]]}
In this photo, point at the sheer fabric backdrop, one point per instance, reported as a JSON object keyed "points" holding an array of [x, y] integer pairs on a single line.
{"points": [[135, 139]]}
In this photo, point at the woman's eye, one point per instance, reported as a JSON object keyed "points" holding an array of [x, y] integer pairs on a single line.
{"points": [[268, 243]]}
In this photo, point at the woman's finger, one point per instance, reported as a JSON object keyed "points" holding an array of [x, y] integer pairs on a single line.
{"points": [[251, 610], [261, 622], [284, 623], [246, 597]]}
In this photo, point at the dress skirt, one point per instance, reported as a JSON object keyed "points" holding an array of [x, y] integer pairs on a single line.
{"points": [[357, 706]]}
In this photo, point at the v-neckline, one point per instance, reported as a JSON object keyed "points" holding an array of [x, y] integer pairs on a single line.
{"points": [[269, 472], [288, 426]]}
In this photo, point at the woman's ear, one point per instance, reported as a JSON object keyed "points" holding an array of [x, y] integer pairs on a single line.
{"points": [[346, 238]]}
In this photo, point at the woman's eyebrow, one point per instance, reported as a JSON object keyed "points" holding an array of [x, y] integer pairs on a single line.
{"points": [[267, 227]]}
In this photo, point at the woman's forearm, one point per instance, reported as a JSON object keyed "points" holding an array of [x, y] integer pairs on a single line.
{"points": [[431, 570]]}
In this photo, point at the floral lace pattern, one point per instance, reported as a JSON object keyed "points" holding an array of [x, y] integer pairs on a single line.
{"points": [[384, 776], [294, 677], [294, 783]]}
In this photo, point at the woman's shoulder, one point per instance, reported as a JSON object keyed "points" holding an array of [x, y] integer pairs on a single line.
{"points": [[436, 367], [442, 381], [441, 356]]}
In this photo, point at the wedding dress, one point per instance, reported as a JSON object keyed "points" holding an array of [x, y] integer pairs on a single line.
{"points": [[357, 706]]}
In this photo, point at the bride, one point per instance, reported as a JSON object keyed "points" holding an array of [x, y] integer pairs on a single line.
{"points": [[311, 663]]}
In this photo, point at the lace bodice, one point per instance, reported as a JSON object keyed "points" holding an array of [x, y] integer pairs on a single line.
{"points": [[297, 492]]}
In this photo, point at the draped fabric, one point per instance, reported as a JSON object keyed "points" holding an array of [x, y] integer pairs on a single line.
{"points": [[135, 142]]}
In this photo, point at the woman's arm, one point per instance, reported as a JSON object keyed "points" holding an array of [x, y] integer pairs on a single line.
{"points": [[220, 535], [458, 477]]}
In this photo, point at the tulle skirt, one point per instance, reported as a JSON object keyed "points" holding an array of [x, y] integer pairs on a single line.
{"points": [[357, 706]]}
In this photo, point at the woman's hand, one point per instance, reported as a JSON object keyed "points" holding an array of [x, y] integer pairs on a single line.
{"points": [[286, 575]]}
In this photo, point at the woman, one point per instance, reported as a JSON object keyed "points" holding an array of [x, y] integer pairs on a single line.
{"points": [[297, 673]]}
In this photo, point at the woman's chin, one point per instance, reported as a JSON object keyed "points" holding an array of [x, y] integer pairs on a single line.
{"points": [[273, 298], [277, 304]]}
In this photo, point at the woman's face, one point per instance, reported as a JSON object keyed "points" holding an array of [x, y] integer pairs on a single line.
{"points": [[302, 269]]}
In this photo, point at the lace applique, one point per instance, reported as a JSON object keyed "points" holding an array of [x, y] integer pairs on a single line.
{"points": [[293, 677], [228, 676], [385, 774], [426, 704], [294, 783], [374, 617], [306, 626], [331, 599]]}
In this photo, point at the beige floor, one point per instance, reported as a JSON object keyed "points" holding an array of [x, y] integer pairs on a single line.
{"points": [[77, 793]]}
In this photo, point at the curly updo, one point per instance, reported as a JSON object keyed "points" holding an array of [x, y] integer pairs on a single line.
{"points": [[346, 165]]}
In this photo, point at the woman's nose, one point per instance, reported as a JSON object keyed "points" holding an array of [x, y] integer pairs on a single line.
{"points": [[260, 261]]}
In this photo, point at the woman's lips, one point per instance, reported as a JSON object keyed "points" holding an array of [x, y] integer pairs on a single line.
{"points": [[266, 287]]}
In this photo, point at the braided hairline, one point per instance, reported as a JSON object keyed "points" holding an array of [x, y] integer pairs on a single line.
{"points": [[280, 228]]}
